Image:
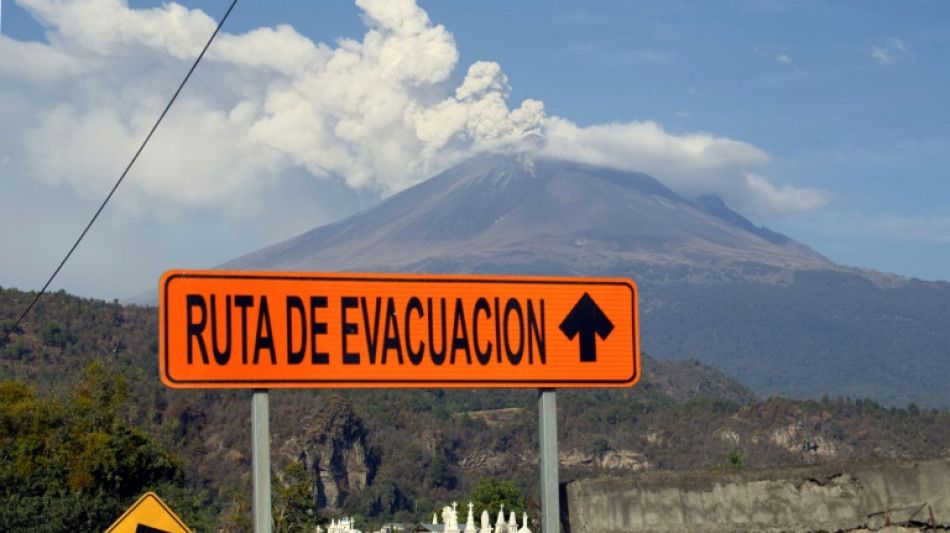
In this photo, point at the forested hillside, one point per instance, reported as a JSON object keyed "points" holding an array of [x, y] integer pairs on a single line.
{"points": [[819, 331], [81, 375]]}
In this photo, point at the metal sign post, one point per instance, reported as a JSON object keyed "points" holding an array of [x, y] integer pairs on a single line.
{"points": [[260, 461], [550, 498]]}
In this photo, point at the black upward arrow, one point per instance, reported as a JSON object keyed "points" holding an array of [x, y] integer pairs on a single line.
{"points": [[587, 319]]}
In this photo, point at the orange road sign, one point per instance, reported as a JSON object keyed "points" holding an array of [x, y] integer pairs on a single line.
{"points": [[313, 330], [148, 515]]}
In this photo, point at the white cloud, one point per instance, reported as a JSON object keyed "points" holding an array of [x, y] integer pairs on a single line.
{"points": [[691, 164], [377, 114], [765, 199], [892, 51], [110, 28], [46, 65], [778, 57]]}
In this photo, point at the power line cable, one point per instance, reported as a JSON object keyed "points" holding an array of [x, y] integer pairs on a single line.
{"points": [[181, 86]]}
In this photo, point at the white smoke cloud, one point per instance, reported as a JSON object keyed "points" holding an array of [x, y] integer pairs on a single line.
{"points": [[691, 164], [378, 114], [108, 28]]}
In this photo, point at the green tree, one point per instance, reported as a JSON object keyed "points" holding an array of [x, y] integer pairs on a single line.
{"points": [[734, 461], [491, 492], [237, 517], [56, 336], [74, 462], [438, 473], [294, 505]]}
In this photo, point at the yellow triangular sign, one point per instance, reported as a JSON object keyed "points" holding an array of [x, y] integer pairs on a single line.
{"points": [[148, 515]]}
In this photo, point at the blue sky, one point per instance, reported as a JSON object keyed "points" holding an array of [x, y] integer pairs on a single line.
{"points": [[826, 121]]}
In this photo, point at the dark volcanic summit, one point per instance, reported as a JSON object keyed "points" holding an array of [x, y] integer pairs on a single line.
{"points": [[511, 214]]}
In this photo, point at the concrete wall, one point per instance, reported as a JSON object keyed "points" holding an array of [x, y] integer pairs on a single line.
{"points": [[807, 499]]}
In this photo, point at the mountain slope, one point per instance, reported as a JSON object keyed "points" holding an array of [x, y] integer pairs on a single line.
{"points": [[766, 309], [575, 216]]}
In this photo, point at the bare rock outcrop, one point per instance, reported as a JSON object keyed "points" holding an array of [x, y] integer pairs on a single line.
{"points": [[334, 447]]}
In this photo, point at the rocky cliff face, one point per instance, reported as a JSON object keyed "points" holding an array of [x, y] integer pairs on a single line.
{"points": [[332, 444]]}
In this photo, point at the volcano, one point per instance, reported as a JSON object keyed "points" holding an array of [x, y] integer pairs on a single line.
{"points": [[715, 287], [510, 214]]}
